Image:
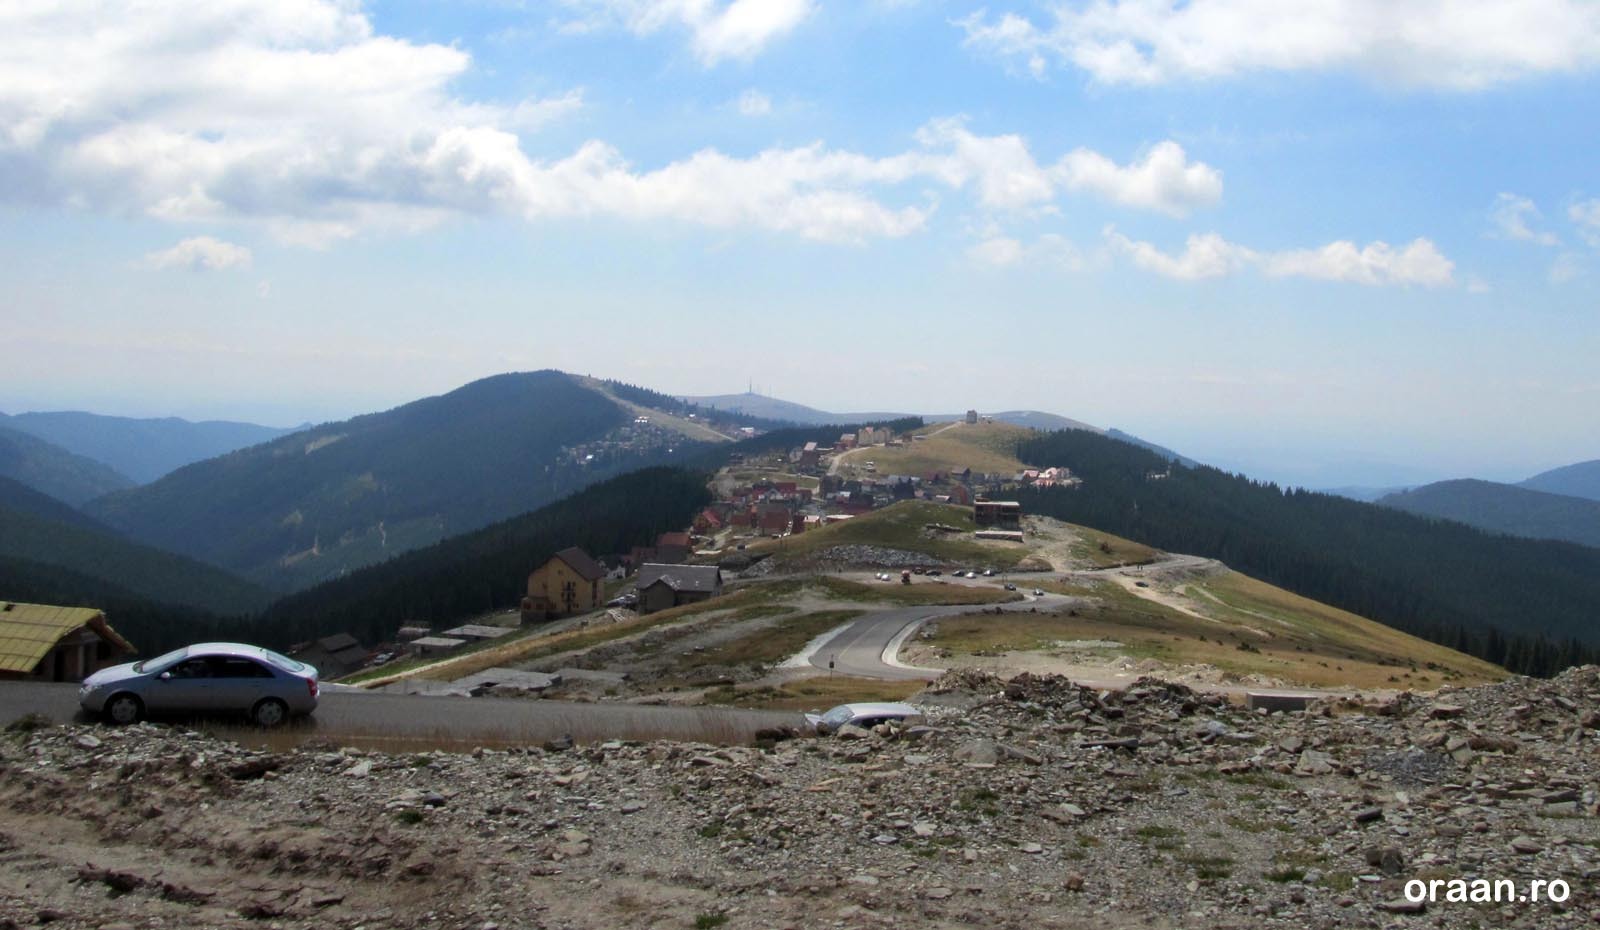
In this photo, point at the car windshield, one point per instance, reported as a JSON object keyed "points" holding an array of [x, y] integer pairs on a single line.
{"points": [[162, 661], [282, 661], [839, 715]]}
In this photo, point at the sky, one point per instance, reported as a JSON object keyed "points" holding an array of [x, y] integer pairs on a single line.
{"points": [[1349, 242]]}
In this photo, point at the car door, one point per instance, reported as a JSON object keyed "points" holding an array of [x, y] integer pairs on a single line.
{"points": [[240, 683], [185, 686]]}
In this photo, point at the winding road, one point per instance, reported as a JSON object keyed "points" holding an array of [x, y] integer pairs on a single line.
{"points": [[867, 647]]}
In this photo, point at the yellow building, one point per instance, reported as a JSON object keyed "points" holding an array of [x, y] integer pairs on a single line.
{"points": [[569, 583], [46, 643]]}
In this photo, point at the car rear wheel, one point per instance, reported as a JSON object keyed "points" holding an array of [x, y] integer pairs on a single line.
{"points": [[124, 709], [270, 712]]}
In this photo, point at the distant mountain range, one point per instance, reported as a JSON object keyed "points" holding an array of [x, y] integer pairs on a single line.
{"points": [[141, 450], [221, 537], [773, 408], [1580, 480], [318, 503], [50, 469], [1364, 493], [1504, 508]]}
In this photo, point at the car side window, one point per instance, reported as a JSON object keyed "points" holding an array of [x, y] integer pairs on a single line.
{"points": [[235, 667], [191, 668]]}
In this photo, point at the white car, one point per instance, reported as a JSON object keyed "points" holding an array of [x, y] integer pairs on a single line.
{"points": [[865, 715], [204, 678]]}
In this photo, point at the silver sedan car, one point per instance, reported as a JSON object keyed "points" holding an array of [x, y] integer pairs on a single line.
{"points": [[867, 714], [204, 678]]}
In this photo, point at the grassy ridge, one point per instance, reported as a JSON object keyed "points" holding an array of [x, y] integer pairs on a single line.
{"points": [[901, 526]]}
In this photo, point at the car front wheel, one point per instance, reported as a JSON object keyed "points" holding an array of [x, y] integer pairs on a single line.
{"points": [[270, 713], [124, 709]]}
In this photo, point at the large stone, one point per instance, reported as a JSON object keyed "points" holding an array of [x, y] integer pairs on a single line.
{"points": [[1314, 762], [978, 752]]}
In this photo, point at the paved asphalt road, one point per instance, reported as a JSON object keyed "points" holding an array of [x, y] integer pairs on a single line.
{"points": [[859, 648], [401, 718]]}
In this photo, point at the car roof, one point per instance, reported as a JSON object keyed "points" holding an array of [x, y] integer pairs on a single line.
{"points": [[227, 649], [880, 707]]}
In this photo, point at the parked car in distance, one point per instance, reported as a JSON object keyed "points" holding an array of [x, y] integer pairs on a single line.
{"points": [[1038, 592], [935, 572], [1010, 586], [204, 678], [868, 714], [988, 573]]}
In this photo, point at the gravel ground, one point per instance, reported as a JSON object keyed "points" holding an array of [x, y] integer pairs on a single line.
{"points": [[1030, 804]]}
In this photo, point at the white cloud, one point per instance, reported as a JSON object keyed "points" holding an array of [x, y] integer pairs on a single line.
{"points": [[1512, 214], [1204, 256], [1449, 44], [532, 115], [1477, 285], [1420, 262], [718, 30], [754, 103], [999, 252], [1586, 216], [1009, 178], [1163, 181], [1566, 267], [1211, 256], [201, 253], [1006, 175], [296, 116]]}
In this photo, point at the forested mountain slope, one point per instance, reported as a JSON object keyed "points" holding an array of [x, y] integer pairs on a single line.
{"points": [[321, 502], [1528, 605]]}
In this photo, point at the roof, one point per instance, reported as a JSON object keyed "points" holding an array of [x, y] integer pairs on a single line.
{"points": [[680, 577], [579, 561], [672, 539], [29, 631], [477, 631], [338, 641], [438, 642], [1005, 504]]}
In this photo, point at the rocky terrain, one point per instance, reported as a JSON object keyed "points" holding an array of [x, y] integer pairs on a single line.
{"points": [[1032, 803]]}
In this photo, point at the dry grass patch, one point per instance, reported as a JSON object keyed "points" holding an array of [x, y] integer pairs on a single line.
{"points": [[1269, 632], [1382, 655], [777, 641], [902, 526], [985, 447], [1103, 549]]}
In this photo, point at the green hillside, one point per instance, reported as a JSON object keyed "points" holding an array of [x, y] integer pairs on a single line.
{"points": [[151, 626], [16, 496], [1528, 605], [488, 568], [1504, 508], [319, 503], [52, 470], [138, 570]]}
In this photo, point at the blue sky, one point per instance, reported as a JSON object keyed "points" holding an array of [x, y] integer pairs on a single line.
{"points": [[1329, 245]]}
